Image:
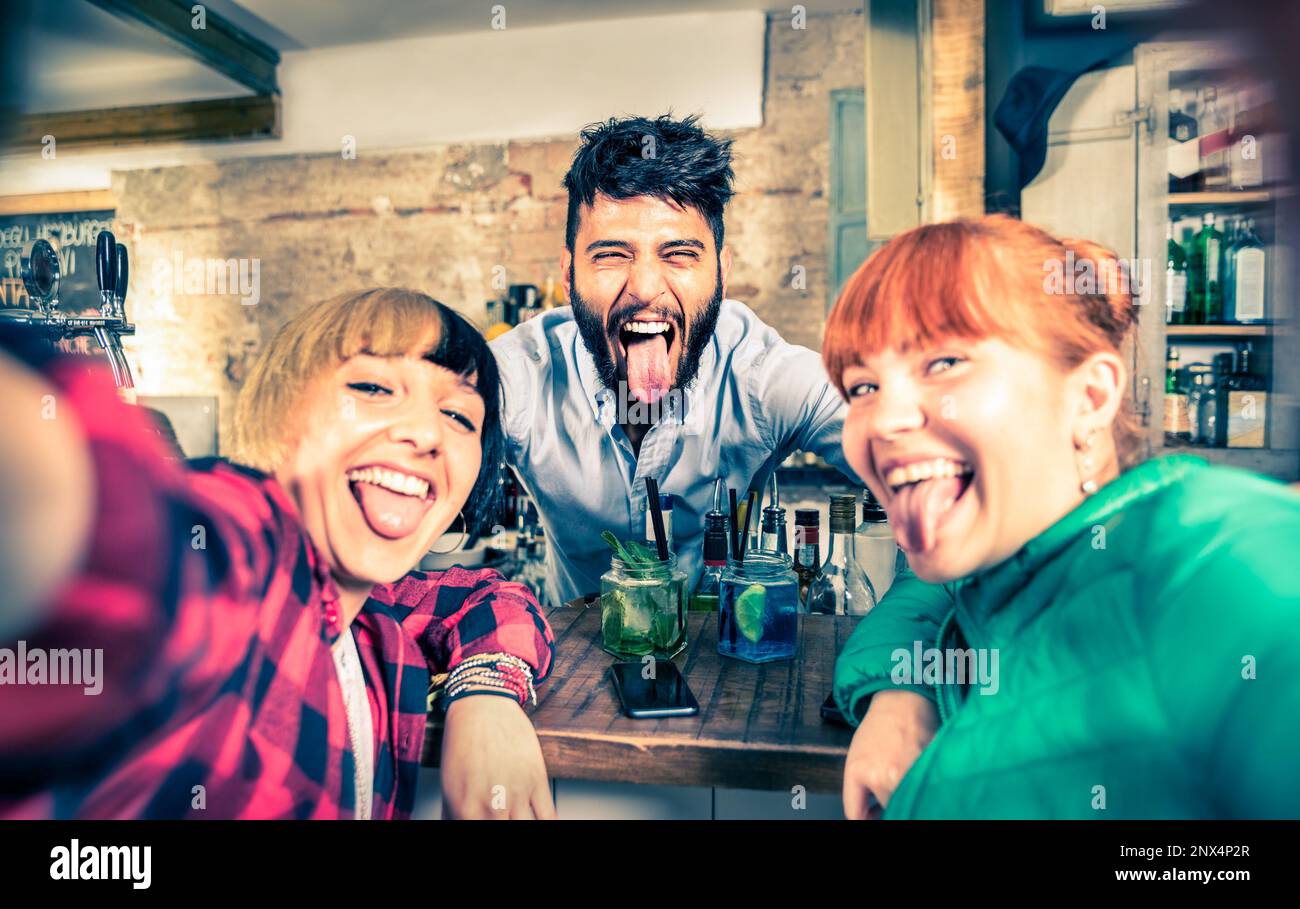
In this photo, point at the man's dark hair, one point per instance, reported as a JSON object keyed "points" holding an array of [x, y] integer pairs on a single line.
{"points": [[666, 158]]}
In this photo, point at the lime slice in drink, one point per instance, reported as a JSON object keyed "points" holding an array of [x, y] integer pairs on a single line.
{"points": [[749, 612]]}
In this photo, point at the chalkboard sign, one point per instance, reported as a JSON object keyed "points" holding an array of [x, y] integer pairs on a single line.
{"points": [[74, 235]]}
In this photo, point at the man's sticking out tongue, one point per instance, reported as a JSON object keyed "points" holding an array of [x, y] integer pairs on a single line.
{"points": [[917, 508], [648, 373], [390, 514]]}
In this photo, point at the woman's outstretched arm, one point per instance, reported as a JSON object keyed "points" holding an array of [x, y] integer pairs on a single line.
{"points": [[46, 494]]}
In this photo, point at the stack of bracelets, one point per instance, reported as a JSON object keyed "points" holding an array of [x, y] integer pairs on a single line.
{"points": [[491, 673]]}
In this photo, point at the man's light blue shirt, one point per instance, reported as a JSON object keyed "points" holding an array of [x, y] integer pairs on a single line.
{"points": [[755, 400]]}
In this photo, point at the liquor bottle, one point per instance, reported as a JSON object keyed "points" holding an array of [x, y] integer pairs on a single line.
{"points": [[665, 506], [705, 597], [1246, 164], [843, 588], [1213, 127], [1184, 155], [1246, 273], [807, 550], [1177, 425], [1244, 404], [533, 573], [1199, 379], [877, 550], [548, 295], [1231, 227], [773, 538], [772, 534], [1175, 279], [1205, 406], [1203, 274], [526, 301]]}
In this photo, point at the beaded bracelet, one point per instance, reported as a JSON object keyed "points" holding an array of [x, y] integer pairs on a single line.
{"points": [[491, 673]]}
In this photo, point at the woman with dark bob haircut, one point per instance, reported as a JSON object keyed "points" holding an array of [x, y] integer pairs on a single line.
{"points": [[268, 647]]}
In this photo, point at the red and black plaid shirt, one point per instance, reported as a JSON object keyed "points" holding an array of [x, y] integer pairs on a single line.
{"points": [[220, 696]]}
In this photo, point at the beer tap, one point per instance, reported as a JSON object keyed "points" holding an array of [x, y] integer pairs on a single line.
{"points": [[106, 271], [122, 270], [41, 273]]}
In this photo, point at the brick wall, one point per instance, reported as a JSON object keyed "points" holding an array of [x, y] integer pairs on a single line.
{"points": [[440, 220]]}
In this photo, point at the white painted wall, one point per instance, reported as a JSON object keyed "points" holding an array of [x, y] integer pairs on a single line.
{"points": [[479, 87]]}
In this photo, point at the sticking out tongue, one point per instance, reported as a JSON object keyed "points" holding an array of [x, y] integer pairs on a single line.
{"points": [[648, 375], [390, 514], [917, 509]]}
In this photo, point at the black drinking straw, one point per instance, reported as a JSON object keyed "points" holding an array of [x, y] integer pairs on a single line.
{"points": [[749, 515], [735, 541], [657, 516]]}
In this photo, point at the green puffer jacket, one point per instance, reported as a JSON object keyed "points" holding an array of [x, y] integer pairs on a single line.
{"points": [[1147, 659]]}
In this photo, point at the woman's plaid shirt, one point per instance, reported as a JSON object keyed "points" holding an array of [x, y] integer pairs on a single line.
{"points": [[219, 692]]}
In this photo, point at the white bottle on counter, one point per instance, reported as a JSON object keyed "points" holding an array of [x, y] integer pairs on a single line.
{"points": [[876, 550]]}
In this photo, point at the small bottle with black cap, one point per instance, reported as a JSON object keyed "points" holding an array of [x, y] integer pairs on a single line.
{"points": [[705, 598]]}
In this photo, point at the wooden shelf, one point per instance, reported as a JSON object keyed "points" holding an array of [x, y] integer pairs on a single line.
{"points": [[1277, 462], [1217, 331], [1203, 200]]}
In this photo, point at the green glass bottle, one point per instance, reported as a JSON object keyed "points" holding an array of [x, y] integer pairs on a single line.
{"points": [[1205, 274], [1175, 279]]}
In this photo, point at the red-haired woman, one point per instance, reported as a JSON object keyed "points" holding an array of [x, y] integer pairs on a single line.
{"points": [[1085, 635]]}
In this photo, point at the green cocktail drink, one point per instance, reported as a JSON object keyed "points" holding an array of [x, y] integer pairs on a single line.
{"points": [[643, 606]]}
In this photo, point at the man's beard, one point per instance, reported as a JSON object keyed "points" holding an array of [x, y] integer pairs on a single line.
{"points": [[592, 328]]}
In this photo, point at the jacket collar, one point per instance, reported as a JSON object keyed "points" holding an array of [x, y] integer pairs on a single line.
{"points": [[988, 591]]}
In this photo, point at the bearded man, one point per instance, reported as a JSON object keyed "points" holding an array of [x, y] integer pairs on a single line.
{"points": [[651, 371]]}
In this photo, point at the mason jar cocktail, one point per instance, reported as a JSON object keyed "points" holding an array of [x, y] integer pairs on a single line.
{"points": [[643, 609], [758, 608]]}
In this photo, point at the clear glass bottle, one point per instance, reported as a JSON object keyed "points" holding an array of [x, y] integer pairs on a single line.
{"points": [[1213, 127], [876, 547], [1246, 277], [758, 610], [665, 506], [843, 588], [773, 538]]}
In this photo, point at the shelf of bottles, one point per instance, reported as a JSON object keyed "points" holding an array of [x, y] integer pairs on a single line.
{"points": [[1222, 309], [521, 303]]}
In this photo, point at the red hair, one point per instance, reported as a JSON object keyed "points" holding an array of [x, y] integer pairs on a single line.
{"points": [[992, 276]]}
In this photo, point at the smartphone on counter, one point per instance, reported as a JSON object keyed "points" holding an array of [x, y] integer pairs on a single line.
{"points": [[831, 711], [664, 694]]}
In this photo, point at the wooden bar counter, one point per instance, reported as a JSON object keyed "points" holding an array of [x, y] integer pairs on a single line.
{"points": [[759, 726]]}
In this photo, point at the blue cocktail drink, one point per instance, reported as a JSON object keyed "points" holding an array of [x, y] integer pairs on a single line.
{"points": [[758, 609]]}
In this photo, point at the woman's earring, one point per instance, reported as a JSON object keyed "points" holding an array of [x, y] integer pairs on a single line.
{"points": [[464, 535], [1087, 484]]}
